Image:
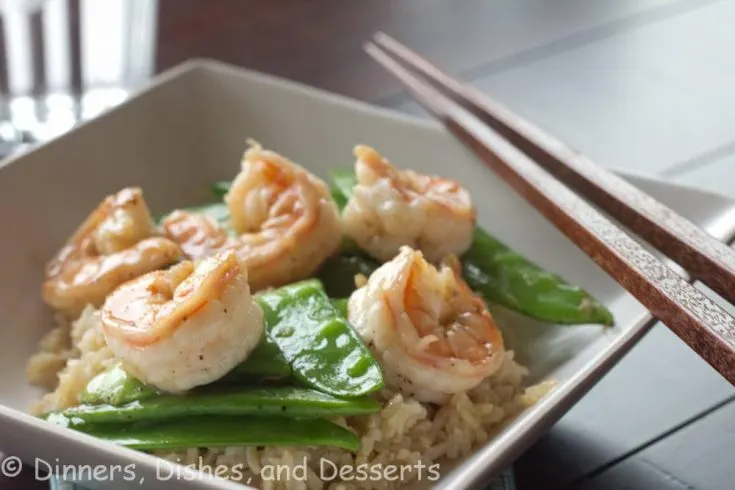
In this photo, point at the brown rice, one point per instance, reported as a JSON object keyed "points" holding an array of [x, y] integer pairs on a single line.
{"points": [[406, 434]]}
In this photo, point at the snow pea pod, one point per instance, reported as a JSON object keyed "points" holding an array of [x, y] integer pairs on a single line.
{"points": [[208, 431], [265, 363], [504, 277], [338, 273], [342, 181], [116, 387], [285, 401], [221, 188], [321, 346], [341, 305]]}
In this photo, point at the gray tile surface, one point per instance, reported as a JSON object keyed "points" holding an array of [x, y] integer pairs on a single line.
{"points": [[718, 176], [644, 99], [478, 36], [701, 453], [635, 474], [659, 384], [699, 456]]}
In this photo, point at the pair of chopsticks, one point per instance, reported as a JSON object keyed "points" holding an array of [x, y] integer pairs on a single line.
{"points": [[544, 171]]}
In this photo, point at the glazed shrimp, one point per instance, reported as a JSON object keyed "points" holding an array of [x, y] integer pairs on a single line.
{"points": [[431, 334], [285, 221], [186, 326], [114, 244], [390, 208]]}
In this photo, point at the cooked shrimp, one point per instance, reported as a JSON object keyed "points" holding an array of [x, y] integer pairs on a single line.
{"points": [[198, 235], [186, 326], [113, 245], [285, 221], [390, 208], [431, 334]]}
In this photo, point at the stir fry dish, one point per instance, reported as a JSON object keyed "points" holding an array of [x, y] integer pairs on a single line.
{"points": [[292, 320]]}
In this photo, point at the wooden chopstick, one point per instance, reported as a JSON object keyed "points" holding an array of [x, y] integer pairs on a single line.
{"points": [[705, 257], [703, 325]]}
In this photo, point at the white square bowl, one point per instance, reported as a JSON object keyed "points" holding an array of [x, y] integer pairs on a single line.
{"points": [[189, 129]]}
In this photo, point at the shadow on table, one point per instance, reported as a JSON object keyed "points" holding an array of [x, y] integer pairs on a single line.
{"points": [[559, 459]]}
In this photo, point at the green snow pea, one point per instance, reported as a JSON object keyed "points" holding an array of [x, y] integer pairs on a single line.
{"points": [[284, 401], [342, 182], [265, 363], [340, 305], [217, 431], [221, 188], [338, 273], [115, 387], [322, 348], [506, 278]]}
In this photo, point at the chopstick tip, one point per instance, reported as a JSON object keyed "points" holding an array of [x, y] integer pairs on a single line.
{"points": [[380, 37], [387, 42], [371, 48]]}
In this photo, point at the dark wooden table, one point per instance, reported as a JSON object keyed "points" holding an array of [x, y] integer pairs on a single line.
{"points": [[646, 85]]}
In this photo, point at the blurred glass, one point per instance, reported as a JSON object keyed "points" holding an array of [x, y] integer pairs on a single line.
{"points": [[64, 61]]}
